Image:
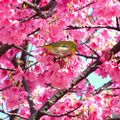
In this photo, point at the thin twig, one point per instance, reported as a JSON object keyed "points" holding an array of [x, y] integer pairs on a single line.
{"points": [[49, 85], [33, 32], [70, 27], [7, 69], [64, 114], [14, 114], [20, 48], [28, 18], [77, 114], [87, 57], [104, 86], [85, 6], [92, 50], [112, 88], [30, 66], [5, 88]]}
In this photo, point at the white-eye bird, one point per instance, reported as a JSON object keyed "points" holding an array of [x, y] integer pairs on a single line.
{"points": [[62, 48]]}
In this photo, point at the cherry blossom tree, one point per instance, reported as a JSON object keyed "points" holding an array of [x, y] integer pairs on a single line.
{"points": [[34, 83]]}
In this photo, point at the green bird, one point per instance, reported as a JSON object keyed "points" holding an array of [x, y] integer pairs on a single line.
{"points": [[62, 48]]}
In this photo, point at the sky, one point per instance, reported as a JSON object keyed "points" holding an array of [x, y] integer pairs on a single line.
{"points": [[97, 81]]}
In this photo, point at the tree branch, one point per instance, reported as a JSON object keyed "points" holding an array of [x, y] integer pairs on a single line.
{"points": [[115, 49], [24, 81], [29, 98], [36, 2], [38, 114], [118, 22], [50, 5], [24, 55], [4, 49], [41, 11]]}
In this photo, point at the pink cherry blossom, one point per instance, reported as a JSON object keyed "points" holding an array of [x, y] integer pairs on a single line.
{"points": [[33, 79]]}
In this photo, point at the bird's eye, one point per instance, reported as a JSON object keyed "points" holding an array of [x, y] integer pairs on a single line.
{"points": [[65, 45]]}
